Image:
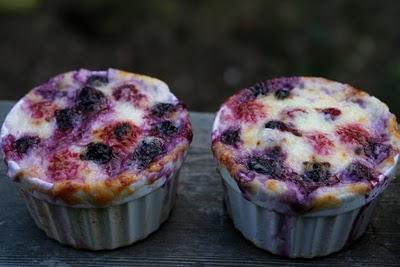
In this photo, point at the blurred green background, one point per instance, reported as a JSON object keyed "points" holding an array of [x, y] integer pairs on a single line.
{"points": [[205, 50]]}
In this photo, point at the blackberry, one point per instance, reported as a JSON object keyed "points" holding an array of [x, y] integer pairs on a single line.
{"points": [[317, 171], [146, 151], [65, 118], [274, 124], [265, 165], [97, 152], [280, 125], [97, 80], [281, 94], [331, 113], [358, 171], [377, 151], [259, 89], [91, 100], [162, 109], [166, 128], [24, 144], [231, 137]]}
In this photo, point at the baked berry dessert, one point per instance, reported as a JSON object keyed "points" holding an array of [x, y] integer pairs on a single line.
{"points": [[96, 155], [303, 161]]}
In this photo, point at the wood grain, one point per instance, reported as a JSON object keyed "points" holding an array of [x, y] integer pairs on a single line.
{"points": [[198, 233]]}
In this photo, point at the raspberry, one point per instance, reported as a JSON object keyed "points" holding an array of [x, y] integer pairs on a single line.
{"points": [[293, 112], [97, 152], [320, 143], [352, 133], [63, 166], [231, 137], [128, 93], [249, 111], [91, 100], [121, 134], [330, 113], [42, 109], [317, 171], [186, 131], [122, 130]]}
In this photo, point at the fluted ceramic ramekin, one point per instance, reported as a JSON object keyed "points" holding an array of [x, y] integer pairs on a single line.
{"points": [[303, 161], [96, 155], [108, 227], [308, 235]]}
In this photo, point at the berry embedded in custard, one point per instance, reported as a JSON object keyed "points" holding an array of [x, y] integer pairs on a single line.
{"points": [[303, 137], [94, 128]]}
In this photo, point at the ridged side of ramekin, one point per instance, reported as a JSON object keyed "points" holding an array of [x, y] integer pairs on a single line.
{"points": [[104, 228], [308, 235], [295, 236]]}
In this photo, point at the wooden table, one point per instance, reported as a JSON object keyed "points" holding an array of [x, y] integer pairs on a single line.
{"points": [[197, 233]]}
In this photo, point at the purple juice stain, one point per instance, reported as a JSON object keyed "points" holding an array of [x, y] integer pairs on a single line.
{"points": [[282, 86], [49, 90], [359, 102], [358, 171], [376, 151]]}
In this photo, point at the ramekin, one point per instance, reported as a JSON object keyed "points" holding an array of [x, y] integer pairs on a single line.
{"points": [[104, 228], [308, 235]]}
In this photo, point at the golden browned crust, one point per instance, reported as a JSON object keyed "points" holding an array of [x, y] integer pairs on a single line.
{"points": [[359, 188], [273, 185], [393, 127], [329, 201], [66, 190], [224, 156], [103, 193], [321, 200]]}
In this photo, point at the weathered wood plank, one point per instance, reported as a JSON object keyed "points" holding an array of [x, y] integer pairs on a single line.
{"points": [[198, 232]]}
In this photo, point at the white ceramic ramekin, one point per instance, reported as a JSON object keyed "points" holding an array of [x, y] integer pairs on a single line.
{"points": [[308, 235], [104, 228]]}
